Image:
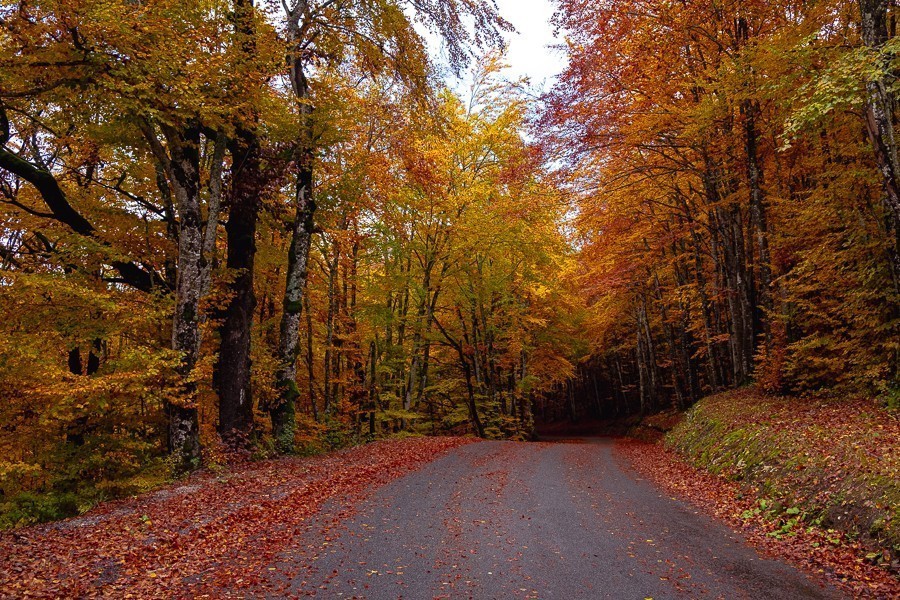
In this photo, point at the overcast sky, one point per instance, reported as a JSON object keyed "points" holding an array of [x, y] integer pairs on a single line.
{"points": [[529, 54]]}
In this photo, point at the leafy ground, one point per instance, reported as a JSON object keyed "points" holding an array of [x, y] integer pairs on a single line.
{"points": [[813, 481], [213, 532], [807, 481], [836, 459]]}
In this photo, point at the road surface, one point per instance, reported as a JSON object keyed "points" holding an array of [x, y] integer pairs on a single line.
{"points": [[515, 520]]}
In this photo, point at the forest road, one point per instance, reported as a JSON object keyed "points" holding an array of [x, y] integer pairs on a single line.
{"points": [[531, 520]]}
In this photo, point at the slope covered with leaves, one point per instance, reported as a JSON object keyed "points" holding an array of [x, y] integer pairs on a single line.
{"points": [[836, 460], [805, 478]]}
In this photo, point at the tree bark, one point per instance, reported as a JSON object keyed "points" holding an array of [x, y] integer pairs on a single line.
{"points": [[880, 111], [180, 163], [758, 219], [233, 369], [330, 326], [310, 365], [470, 390], [184, 169], [284, 411]]}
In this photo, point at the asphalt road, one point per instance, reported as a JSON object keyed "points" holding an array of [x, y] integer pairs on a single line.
{"points": [[514, 520]]}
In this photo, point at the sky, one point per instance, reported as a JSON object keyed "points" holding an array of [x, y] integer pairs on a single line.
{"points": [[529, 55]]}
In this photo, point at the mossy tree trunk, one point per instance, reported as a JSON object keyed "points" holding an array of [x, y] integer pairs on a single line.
{"points": [[283, 411]]}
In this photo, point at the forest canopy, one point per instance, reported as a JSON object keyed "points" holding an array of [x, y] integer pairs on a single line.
{"points": [[260, 228]]}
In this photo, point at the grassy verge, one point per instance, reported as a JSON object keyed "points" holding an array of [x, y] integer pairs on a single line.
{"points": [[830, 463]]}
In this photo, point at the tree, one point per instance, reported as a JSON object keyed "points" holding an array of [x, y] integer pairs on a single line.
{"points": [[705, 175], [881, 106], [376, 38]]}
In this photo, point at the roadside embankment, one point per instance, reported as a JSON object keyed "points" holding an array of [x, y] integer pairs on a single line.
{"points": [[837, 462]]}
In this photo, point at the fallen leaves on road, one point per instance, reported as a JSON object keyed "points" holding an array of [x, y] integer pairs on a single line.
{"points": [[213, 535], [810, 548]]}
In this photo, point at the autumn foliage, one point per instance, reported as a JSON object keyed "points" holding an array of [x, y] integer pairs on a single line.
{"points": [[737, 217], [236, 229]]}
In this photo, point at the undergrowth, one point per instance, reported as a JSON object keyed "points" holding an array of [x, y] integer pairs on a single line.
{"points": [[834, 463]]}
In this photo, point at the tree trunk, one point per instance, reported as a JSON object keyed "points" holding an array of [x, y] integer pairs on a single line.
{"points": [[181, 165], [644, 364], [233, 369], [330, 325], [232, 373], [421, 344], [283, 412], [310, 365], [373, 386], [470, 390], [184, 433], [880, 111], [426, 351], [759, 221]]}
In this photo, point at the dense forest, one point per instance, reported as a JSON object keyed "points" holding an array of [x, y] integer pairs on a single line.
{"points": [[735, 172], [261, 228]]}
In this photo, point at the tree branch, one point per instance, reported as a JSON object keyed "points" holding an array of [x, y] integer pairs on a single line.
{"points": [[61, 210]]}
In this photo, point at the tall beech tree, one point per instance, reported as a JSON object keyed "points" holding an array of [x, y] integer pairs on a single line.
{"points": [[248, 184], [881, 105], [181, 165]]}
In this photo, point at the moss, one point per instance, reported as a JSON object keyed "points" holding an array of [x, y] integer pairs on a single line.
{"points": [[829, 459], [289, 390], [294, 308]]}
